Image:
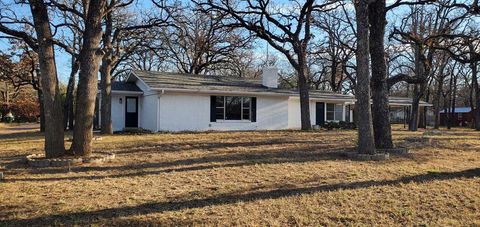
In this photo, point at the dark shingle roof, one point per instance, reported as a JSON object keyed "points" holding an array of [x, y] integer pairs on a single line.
{"points": [[162, 80], [123, 86]]}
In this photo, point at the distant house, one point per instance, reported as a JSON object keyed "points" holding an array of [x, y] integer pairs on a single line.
{"points": [[183, 102], [463, 116]]}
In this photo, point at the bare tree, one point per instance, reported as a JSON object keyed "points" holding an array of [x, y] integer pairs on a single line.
{"points": [[332, 54], [366, 142], [89, 59], [287, 32], [54, 136], [120, 39], [198, 42], [423, 30]]}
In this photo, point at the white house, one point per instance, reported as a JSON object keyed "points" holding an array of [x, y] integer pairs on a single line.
{"points": [[182, 102]]}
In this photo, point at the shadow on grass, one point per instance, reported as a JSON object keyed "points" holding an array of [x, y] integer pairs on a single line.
{"points": [[22, 135], [193, 164], [148, 147], [158, 207]]}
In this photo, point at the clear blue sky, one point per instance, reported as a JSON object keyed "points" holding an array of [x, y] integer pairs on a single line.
{"points": [[63, 59]]}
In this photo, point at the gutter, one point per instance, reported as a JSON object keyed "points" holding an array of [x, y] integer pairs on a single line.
{"points": [[262, 93]]}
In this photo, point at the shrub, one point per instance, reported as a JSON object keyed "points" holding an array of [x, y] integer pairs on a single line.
{"points": [[8, 118], [26, 109], [339, 125]]}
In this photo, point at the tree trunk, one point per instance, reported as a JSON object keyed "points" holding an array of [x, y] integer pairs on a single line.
{"points": [[436, 103], [52, 102], [106, 78], [366, 142], [42, 110], [303, 92], [414, 117], [453, 104], [477, 95], [380, 109], [418, 89], [421, 118], [106, 106], [68, 106], [472, 102], [90, 57]]}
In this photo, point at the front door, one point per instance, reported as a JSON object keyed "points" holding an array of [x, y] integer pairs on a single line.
{"points": [[320, 113], [131, 112]]}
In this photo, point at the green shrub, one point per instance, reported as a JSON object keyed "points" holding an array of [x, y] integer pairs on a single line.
{"points": [[329, 125], [8, 119]]}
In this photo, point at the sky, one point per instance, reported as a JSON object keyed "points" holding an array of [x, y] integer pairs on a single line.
{"points": [[63, 60]]}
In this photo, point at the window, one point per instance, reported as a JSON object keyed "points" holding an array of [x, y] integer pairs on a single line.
{"points": [[131, 105], [233, 108], [334, 112]]}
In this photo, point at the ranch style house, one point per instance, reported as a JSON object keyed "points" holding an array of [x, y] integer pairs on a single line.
{"points": [[159, 101]]}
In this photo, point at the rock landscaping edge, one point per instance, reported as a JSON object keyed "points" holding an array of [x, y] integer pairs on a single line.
{"points": [[367, 157], [38, 160]]}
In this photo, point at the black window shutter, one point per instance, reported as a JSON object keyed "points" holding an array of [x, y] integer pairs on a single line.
{"points": [[254, 109], [213, 117]]}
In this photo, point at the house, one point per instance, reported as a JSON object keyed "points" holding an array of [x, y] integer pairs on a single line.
{"points": [[159, 101], [463, 116]]}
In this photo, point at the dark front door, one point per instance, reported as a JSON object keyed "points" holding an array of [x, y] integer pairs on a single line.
{"points": [[131, 112], [320, 113]]}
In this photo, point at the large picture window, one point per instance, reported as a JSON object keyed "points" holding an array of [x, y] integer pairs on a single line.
{"points": [[334, 112], [233, 108]]}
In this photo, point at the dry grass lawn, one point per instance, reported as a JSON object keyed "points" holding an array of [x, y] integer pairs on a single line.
{"points": [[273, 178]]}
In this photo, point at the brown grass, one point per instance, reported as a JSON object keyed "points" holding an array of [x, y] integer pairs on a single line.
{"points": [[246, 178]]}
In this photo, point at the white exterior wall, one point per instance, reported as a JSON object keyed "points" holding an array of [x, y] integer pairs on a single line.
{"points": [[147, 116], [118, 112], [191, 112], [294, 120]]}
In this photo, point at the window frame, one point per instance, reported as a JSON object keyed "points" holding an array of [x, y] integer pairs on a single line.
{"points": [[334, 112], [242, 109]]}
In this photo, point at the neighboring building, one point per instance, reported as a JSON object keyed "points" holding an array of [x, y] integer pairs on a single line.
{"points": [[184, 102], [463, 116]]}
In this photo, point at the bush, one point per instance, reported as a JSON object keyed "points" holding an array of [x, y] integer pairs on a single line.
{"points": [[26, 109], [329, 125], [8, 118]]}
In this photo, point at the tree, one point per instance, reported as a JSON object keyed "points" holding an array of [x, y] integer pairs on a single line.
{"points": [[20, 81], [54, 136], [120, 39], [380, 107], [366, 142], [423, 31], [380, 85], [198, 42], [89, 58], [289, 33], [331, 56]]}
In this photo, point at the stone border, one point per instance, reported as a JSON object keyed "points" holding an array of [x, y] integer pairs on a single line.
{"points": [[414, 139], [367, 157], [37, 160], [434, 132], [395, 151]]}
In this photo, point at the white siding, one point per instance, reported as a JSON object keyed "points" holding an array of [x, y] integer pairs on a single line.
{"points": [[118, 112], [294, 120], [147, 116], [191, 112], [187, 112]]}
